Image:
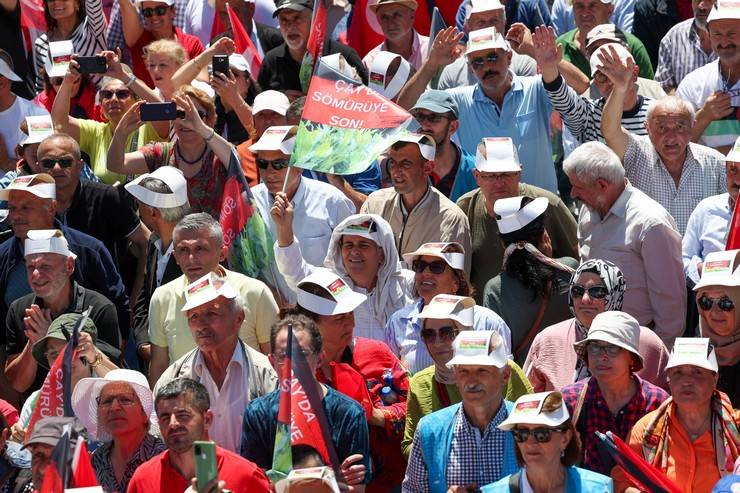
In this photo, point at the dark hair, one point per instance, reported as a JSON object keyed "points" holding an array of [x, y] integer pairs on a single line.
{"points": [[314, 289], [183, 385], [306, 456], [300, 323], [295, 110], [51, 23]]}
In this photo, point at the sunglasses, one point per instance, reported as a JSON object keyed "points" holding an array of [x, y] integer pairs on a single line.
{"points": [[64, 162], [478, 62], [541, 435], [609, 349], [431, 117], [121, 94], [446, 334], [277, 164], [160, 11], [594, 292], [724, 303], [435, 267]]}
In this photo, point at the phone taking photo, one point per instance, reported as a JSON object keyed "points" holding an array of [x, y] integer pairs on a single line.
{"points": [[157, 112], [92, 64], [221, 64], [206, 469]]}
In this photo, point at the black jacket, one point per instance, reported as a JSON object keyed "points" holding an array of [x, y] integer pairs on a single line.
{"points": [[653, 19]]}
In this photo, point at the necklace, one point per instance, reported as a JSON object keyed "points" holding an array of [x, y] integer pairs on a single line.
{"points": [[181, 157], [699, 430]]}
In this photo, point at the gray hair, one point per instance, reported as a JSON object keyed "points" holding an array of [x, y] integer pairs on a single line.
{"points": [[66, 137], [592, 161], [198, 222], [673, 104], [170, 214]]}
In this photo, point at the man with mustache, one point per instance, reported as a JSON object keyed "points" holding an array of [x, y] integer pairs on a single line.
{"points": [[460, 447], [232, 372], [714, 89]]}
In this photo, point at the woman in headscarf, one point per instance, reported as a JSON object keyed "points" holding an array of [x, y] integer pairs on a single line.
{"points": [[530, 292], [596, 286]]}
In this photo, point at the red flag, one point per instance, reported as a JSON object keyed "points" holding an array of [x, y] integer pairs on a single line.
{"points": [[244, 44], [52, 480], [733, 233], [83, 474], [364, 32], [50, 401], [56, 474], [32, 15]]}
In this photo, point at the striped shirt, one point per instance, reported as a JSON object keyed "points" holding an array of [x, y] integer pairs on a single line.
{"points": [[88, 39], [680, 53], [582, 115]]}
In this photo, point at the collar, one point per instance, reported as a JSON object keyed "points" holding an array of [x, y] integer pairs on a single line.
{"points": [[238, 358], [480, 96], [636, 401], [492, 426], [78, 299], [414, 311], [298, 196], [417, 206], [415, 43], [619, 207], [688, 162], [158, 245]]}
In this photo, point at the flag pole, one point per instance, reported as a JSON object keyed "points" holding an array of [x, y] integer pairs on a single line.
{"points": [[285, 182]]}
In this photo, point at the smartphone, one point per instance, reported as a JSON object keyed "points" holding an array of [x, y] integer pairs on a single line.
{"points": [[206, 469], [221, 64], [92, 64], [155, 112]]}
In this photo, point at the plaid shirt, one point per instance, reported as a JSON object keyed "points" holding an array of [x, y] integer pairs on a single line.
{"points": [[474, 458], [596, 416], [680, 53]]}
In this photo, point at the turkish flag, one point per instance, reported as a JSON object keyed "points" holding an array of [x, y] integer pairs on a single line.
{"points": [[733, 233]]}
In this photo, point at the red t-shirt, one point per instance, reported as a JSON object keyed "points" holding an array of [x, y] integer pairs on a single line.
{"points": [[10, 413], [157, 475], [193, 47]]}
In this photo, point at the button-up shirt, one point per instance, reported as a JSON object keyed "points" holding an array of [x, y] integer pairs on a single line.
{"points": [[596, 416], [640, 237], [229, 401], [706, 232], [680, 54], [419, 48], [702, 175], [162, 258]]}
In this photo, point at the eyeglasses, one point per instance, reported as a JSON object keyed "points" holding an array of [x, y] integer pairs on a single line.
{"points": [[478, 62], [594, 292], [431, 117], [123, 400], [446, 334], [435, 267], [277, 164], [541, 435], [724, 303], [64, 162], [119, 93], [160, 11], [608, 349], [497, 176]]}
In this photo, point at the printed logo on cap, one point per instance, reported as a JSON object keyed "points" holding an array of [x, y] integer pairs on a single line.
{"points": [[717, 265], [361, 228], [527, 407], [377, 78], [199, 286], [337, 287], [473, 343]]}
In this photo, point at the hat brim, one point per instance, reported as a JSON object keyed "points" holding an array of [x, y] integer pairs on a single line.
{"points": [[39, 348], [413, 5], [291, 6], [477, 361], [580, 349]]}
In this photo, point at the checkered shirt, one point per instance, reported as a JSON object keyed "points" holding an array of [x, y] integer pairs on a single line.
{"points": [[702, 176], [473, 458], [596, 416], [680, 53]]}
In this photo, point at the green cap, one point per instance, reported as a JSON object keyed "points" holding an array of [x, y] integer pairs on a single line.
{"points": [[61, 329]]}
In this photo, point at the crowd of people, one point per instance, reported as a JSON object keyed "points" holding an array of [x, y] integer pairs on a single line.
{"points": [[546, 256]]}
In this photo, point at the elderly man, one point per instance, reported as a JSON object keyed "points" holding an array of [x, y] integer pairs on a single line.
{"points": [[461, 445], [619, 223], [713, 89], [50, 266], [498, 172], [198, 249], [417, 212], [185, 414], [281, 65], [396, 20], [319, 207], [664, 164], [44, 438], [684, 48], [162, 197], [158, 24], [233, 372], [480, 15], [437, 113], [697, 420]]}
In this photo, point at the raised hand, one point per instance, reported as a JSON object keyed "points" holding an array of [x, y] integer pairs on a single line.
{"points": [[547, 52], [115, 67], [36, 322], [717, 106], [445, 47], [192, 119], [131, 120], [620, 73], [224, 46], [225, 87], [520, 38]]}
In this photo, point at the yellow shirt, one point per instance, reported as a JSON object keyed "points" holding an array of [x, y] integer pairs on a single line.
{"points": [[168, 326]]}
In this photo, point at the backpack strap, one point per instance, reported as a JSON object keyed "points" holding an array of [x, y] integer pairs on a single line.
{"points": [[514, 480]]}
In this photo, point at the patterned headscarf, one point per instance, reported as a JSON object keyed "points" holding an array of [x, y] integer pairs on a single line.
{"points": [[612, 278]]}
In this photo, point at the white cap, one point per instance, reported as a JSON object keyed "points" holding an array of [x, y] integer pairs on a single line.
{"points": [[511, 216], [734, 154], [344, 300], [39, 128], [271, 100], [7, 72], [455, 260], [237, 61], [720, 269], [339, 64], [168, 2], [448, 306], [276, 139], [527, 410], [486, 39], [426, 144], [46, 241], [172, 177], [616, 328], [320, 478], [725, 10], [366, 229], [694, 351], [41, 185], [207, 289], [501, 156], [622, 52], [60, 54], [478, 347], [378, 78], [478, 6]]}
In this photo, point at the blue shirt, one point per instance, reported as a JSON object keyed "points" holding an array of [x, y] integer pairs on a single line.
{"points": [[464, 180], [524, 117], [531, 13], [706, 232], [366, 182], [563, 20]]}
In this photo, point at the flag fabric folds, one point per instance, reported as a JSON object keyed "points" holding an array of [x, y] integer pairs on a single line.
{"points": [[364, 32], [733, 232], [56, 475], [243, 43], [315, 44]]}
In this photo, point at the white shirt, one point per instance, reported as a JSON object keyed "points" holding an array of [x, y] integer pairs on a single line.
{"points": [[11, 118], [706, 232], [229, 402], [162, 259]]}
